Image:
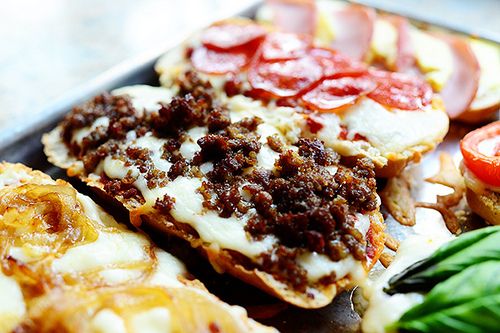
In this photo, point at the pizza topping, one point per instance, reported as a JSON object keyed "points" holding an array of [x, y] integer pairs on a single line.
{"points": [[353, 28], [281, 46], [481, 152], [307, 200], [218, 62], [294, 16], [285, 78], [400, 91], [461, 87], [405, 56], [232, 35], [334, 63], [332, 94]]}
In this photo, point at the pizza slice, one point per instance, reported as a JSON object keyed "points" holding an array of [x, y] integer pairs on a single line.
{"points": [[391, 118], [67, 266], [262, 202], [461, 69]]}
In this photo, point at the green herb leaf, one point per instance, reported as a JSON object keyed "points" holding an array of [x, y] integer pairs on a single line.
{"points": [[466, 250], [467, 302]]}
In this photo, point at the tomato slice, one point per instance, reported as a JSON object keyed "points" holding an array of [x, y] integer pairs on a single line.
{"points": [[481, 151], [218, 62], [400, 91], [285, 78], [332, 94], [282, 46], [334, 63], [230, 36]]}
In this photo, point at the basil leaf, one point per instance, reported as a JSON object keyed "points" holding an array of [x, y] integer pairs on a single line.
{"points": [[466, 250], [467, 302]]}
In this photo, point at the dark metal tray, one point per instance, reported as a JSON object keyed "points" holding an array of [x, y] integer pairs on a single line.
{"points": [[22, 144]]}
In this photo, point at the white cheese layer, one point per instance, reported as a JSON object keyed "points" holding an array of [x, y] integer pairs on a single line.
{"points": [[488, 92], [319, 265], [12, 306], [474, 183], [434, 57], [106, 321], [384, 309], [395, 131], [156, 320], [384, 44], [146, 98], [81, 133]]}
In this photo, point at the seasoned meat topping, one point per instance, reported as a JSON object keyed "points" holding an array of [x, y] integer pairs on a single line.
{"points": [[309, 201]]}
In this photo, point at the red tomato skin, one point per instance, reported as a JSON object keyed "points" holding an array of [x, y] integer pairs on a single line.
{"points": [[484, 167]]}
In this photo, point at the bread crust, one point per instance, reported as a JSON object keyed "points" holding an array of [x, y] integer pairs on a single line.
{"points": [[486, 205], [222, 260], [480, 115]]}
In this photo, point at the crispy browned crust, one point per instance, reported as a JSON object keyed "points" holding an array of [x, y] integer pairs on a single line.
{"points": [[486, 205], [38, 177], [479, 115], [222, 260]]}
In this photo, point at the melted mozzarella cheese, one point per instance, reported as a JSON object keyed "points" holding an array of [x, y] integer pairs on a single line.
{"points": [[12, 306], [227, 233], [190, 146], [319, 265], [330, 129], [145, 97], [110, 248], [156, 320], [81, 133], [12, 177], [285, 120], [474, 183], [434, 57], [155, 147], [384, 42], [394, 131], [168, 269], [384, 309], [488, 92], [106, 321]]}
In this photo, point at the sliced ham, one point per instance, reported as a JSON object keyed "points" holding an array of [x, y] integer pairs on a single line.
{"points": [[298, 16], [405, 57], [353, 28], [461, 87]]}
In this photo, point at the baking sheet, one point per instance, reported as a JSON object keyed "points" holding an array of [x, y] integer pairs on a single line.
{"points": [[22, 144]]}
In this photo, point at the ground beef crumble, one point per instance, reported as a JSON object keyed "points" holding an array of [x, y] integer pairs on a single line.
{"points": [[308, 202]]}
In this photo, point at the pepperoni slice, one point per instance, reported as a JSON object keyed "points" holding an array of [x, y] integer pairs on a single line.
{"points": [[400, 91], [332, 94], [218, 62], [232, 35], [285, 78], [282, 45], [334, 63]]}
